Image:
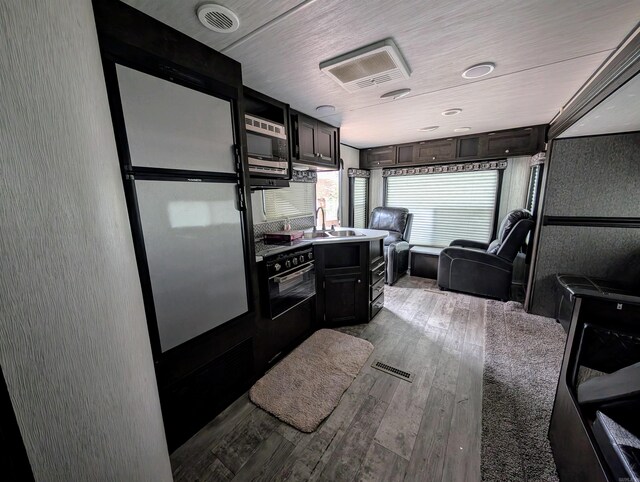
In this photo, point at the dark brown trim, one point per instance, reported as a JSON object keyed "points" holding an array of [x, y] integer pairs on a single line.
{"points": [[622, 67], [592, 221]]}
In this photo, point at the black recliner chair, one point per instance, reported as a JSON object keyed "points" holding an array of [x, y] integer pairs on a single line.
{"points": [[481, 268], [396, 245]]}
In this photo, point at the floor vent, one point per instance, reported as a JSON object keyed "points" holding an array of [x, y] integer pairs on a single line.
{"points": [[396, 372]]}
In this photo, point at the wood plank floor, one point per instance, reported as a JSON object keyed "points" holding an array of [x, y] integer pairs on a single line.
{"points": [[384, 429]]}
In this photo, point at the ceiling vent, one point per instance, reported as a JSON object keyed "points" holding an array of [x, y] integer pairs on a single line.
{"points": [[376, 64], [218, 18]]}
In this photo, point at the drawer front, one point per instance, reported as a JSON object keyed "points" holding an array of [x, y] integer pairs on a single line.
{"points": [[376, 289], [376, 306], [435, 151], [377, 273]]}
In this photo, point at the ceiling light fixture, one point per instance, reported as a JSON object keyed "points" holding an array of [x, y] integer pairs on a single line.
{"points": [[479, 70], [218, 18], [428, 129], [450, 112], [462, 129], [395, 94], [325, 109]]}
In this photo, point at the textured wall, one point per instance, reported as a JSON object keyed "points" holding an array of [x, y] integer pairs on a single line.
{"points": [[351, 159], [591, 176], [74, 345]]}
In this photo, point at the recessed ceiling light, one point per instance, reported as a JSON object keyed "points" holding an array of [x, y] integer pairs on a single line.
{"points": [[462, 129], [428, 129], [479, 70], [395, 94], [325, 109], [449, 112]]}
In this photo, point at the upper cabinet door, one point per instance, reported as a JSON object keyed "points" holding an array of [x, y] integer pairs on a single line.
{"points": [[435, 151], [513, 142], [173, 127], [306, 138], [325, 137]]}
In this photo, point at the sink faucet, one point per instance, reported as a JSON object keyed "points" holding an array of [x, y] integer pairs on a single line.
{"points": [[324, 228]]}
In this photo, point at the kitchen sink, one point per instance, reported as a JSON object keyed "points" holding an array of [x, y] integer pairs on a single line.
{"points": [[347, 233], [316, 234]]}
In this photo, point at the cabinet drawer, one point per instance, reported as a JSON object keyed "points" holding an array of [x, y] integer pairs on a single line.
{"points": [[376, 289], [435, 151], [377, 273], [376, 306], [520, 141]]}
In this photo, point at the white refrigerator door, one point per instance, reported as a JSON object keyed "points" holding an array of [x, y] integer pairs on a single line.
{"points": [[173, 127], [193, 239]]}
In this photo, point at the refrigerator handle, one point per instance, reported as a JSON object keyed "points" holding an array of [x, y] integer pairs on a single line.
{"points": [[240, 202]]}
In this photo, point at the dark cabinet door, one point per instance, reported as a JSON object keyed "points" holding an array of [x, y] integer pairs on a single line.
{"points": [[405, 154], [468, 148], [378, 157], [514, 142], [325, 142], [306, 137], [345, 298], [429, 152]]}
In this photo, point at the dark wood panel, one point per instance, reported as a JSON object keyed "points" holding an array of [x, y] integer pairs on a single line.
{"points": [[306, 136], [510, 143], [469, 148], [378, 157], [435, 151], [406, 154]]}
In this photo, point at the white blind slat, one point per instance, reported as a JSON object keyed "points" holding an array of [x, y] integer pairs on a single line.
{"points": [[447, 206], [296, 200], [360, 197]]}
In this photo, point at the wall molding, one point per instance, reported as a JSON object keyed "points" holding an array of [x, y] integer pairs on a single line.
{"points": [[439, 169], [591, 221]]}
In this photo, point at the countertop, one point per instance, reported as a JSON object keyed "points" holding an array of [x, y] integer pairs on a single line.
{"points": [[263, 250]]}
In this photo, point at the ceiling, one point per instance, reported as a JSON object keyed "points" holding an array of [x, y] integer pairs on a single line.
{"points": [[544, 51], [620, 112]]}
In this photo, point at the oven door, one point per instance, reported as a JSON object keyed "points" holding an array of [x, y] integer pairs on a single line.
{"points": [[292, 288]]}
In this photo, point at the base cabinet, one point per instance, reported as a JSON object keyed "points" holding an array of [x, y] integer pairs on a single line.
{"points": [[348, 291]]}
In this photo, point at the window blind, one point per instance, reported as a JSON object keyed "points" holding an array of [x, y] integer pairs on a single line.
{"points": [[533, 188], [447, 206], [296, 200], [360, 202]]}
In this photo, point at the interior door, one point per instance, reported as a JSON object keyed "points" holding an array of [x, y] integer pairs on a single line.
{"points": [[173, 127], [193, 240]]}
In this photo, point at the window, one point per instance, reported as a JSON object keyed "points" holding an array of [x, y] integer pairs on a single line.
{"points": [[447, 206], [289, 202], [328, 196], [359, 198]]}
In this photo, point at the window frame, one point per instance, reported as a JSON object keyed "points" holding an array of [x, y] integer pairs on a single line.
{"points": [[352, 185]]}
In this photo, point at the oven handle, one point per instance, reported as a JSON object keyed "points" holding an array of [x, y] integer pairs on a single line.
{"points": [[282, 279]]}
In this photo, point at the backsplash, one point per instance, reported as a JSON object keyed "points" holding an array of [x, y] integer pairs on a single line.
{"points": [[303, 222]]}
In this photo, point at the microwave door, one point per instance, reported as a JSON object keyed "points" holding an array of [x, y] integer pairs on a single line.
{"points": [[259, 146]]}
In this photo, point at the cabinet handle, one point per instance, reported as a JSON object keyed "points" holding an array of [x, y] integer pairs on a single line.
{"points": [[380, 273], [506, 151], [359, 281]]}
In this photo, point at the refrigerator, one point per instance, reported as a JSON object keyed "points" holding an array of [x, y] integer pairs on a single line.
{"points": [[184, 196]]}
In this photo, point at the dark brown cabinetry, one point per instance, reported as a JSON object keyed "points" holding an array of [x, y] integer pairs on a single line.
{"points": [[510, 143], [378, 157], [314, 143], [350, 282], [435, 151], [342, 283], [491, 145]]}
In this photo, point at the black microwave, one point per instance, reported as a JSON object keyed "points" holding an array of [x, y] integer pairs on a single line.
{"points": [[267, 147]]}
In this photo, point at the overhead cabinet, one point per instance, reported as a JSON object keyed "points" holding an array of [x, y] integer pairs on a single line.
{"points": [[491, 145], [378, 157], [314, 143]]}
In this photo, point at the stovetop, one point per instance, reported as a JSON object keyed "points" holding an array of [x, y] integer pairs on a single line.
{"points": [[265, 250]]}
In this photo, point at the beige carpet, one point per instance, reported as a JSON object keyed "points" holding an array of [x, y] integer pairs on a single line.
{"points": [[304, 388]]}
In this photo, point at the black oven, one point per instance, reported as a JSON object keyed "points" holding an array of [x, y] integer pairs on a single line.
{"points": [[267, 148], [290, 280]]}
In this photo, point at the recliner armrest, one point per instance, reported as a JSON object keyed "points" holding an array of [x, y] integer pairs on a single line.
{"points": [[399, 246], [467, 243], [490, 259]]}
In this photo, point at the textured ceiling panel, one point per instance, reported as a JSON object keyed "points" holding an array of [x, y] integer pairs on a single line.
{"points": [[439, 40]]}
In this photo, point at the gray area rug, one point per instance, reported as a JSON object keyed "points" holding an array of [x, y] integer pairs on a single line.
{"points": [[523, 354], [304, 388]]}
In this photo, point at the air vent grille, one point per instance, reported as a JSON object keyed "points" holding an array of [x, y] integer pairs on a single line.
{"points": [[391, 370], [218, 18], [367, 67]]}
